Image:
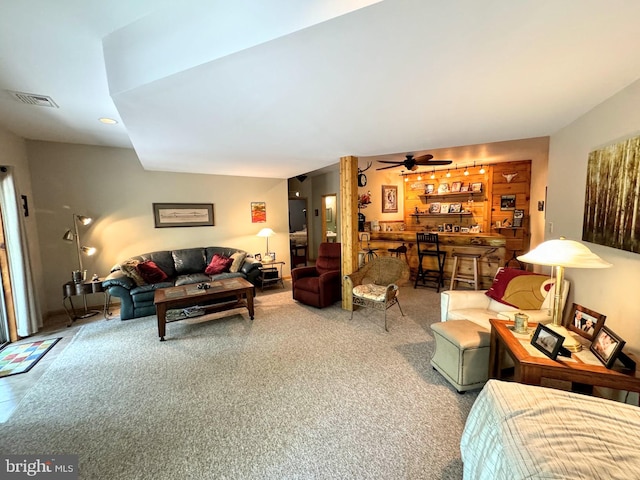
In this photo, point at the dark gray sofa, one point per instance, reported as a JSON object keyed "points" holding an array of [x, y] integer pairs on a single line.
{"points": [[182, 267]]}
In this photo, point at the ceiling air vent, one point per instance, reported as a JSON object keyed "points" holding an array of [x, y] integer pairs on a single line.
{"points": [[34, 99]]}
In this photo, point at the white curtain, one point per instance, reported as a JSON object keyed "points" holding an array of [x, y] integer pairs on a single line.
{"points": [[26, 306]]}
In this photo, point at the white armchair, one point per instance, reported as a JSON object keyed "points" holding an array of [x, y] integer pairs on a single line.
{"points": [[476, 306]]}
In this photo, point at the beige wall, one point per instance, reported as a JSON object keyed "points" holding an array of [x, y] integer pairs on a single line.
{"points": [[110, 185], [534, 149], [611, 292]]}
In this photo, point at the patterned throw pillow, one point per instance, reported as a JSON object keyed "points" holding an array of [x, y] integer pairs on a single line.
{"points": [[238, 260], [219, 264], [150, 272], [129, 268], [519, 288]]}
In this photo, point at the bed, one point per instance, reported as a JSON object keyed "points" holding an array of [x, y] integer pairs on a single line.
{"points": [[517, 431]]}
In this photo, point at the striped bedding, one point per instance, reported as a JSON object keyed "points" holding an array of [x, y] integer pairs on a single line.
{"points": [[519, 431]]}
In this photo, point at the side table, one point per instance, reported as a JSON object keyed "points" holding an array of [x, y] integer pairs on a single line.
{"points": [[72, 289], [582, 369], [271, 274]]}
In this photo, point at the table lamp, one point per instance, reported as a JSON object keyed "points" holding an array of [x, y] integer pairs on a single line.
{"points": [[560, 254], [266, 232]]}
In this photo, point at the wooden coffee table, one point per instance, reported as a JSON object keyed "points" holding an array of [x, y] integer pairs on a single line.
{"points": [[237, 291], [582, 370]]}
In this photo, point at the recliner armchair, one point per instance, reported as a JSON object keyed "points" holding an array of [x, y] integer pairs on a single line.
{"points": [[319, 285]]}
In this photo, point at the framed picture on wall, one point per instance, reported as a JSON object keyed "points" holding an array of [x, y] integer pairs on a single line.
{"points": [[258, 212], [389, 198], [507, 202], [183, 215]]}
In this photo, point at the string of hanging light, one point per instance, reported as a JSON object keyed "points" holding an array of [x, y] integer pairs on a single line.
{"points": [[466, 171]]}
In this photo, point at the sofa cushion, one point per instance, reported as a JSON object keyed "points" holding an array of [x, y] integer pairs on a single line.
{"points": [[129, 268], [238, 260], [150, 272], [189, 260], [519, 288], [218, 264]]}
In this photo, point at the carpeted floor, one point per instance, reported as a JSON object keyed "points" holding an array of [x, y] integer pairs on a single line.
{"points": [[299, 393]]}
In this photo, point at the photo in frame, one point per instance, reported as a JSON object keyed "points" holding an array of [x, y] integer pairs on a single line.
{"points": [[434, 207], [476, 187], [183, 215], [606, 346], [547, 341], [584, 322], [455, 208], [455, 186], [429, 188], [444, 208], [389, 198], [443, 188], [518, 217], [258, 212], [507, 202]]}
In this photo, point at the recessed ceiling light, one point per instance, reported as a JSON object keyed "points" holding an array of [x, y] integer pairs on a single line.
{"points": [[108, 121]]}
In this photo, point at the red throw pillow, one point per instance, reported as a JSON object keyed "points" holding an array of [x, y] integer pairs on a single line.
{"points": [[519, 288], [219, 264], [150, 272]]}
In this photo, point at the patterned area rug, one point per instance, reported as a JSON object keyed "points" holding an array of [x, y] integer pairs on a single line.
{"points": [[19, 358]]}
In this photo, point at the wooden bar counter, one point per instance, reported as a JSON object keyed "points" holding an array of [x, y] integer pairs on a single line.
{"points": [[490, 246]]}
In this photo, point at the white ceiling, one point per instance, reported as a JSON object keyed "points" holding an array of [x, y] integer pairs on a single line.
{"points": [[276, 88]]}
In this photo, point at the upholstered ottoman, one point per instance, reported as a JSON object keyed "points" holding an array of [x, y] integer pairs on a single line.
{"points": [[462, 353]]}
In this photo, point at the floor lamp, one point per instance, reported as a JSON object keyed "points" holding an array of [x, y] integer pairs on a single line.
{"points": [[79, 276], [561, 254]]}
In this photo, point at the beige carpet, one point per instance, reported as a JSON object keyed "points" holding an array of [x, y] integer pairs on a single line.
{"points": [[299, 393]]}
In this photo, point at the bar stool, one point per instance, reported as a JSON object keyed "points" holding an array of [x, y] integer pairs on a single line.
{"points": [[400, 250], [424, 274], [458, 277], [368, 252]]}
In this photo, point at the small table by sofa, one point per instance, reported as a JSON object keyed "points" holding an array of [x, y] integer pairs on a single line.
{"points": [[271, 274], [212, 299], [582, 370], [72, 289]]}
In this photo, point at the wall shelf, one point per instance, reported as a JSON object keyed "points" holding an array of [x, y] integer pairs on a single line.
{"points": [[449, 194]]}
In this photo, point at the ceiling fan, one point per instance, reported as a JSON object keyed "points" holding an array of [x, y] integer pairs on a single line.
{"points": [[411, 162]]}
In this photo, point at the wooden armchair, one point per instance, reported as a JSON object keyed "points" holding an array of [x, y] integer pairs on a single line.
{"points": [[375, 284]]}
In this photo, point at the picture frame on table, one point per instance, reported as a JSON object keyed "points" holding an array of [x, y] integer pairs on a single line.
{"points": [[606, 346], [584, 322], [455, 186], [547, 341]]}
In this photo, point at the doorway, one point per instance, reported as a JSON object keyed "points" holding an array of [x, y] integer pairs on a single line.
{"points": [[330, 218], [298, 231]]}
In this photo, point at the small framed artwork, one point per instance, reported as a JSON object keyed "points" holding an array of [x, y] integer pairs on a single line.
{"points": [[476, 187], [606, 346], [441, 228], [455, 186], [584, 322], [547, 341], [464, 229], [518, 217], [507, 202], [443, 188], [429, 188], [183, 215], [448, 227], [258, 257], [456, 229], [444, 208], [389, 198], [455, 208], [258, 212], [434, 207], [464, 188]]}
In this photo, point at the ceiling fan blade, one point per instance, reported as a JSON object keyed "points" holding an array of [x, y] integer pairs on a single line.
{"points": [[390, 166], [438, 162], [390, 161], [422, 158]]}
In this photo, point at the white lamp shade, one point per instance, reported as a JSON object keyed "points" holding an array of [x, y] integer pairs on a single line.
{"points": [[266, 232], [563, 253]]}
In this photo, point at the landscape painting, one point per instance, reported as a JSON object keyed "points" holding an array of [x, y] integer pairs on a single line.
{"points": [[612, 198], [183, 215]]}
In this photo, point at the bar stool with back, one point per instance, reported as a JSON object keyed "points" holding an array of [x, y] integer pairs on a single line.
{"points": [[423, 241]]}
